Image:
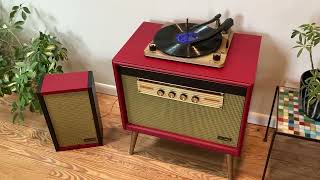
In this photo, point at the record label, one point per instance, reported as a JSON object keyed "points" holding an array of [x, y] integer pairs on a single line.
{"points": [[187, 38]]}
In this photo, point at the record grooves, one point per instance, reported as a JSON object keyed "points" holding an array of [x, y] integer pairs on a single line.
{"points": [[176, 40]]}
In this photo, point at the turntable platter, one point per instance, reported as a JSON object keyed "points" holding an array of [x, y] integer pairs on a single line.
{"points": [[175, 40]]}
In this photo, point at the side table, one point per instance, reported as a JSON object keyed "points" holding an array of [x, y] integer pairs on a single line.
{"points": [[291, 120]]}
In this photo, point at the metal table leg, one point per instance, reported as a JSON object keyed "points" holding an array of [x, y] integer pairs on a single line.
{"points": [[270, 116], [269, 154]]}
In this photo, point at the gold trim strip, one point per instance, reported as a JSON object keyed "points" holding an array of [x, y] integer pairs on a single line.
{"points": [[180, 86], [146, 87]]}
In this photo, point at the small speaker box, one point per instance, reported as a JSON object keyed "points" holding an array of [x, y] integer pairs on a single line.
{"points": [[71, 110]]}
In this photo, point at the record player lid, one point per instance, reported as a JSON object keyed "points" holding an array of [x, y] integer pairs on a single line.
{"points": [[240, 67]]}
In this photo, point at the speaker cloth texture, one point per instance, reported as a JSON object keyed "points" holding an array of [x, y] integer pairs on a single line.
{"points": [[219, 125], [71, 117]]}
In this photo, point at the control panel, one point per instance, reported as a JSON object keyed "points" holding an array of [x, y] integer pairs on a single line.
{"points": [[180, 93]]}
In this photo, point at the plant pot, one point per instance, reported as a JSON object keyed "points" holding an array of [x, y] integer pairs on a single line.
{"points": [[310, 110]]}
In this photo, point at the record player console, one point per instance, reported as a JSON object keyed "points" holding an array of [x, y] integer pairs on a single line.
{"points": [[199, 105]]}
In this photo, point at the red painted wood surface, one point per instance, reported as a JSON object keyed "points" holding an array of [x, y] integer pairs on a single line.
{"points": [[239, 70], [240, 67], [67, 82], [185, 139]]}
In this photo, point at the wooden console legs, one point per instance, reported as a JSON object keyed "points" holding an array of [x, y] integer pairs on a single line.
{"points": [[230, 166], [134, 137]]}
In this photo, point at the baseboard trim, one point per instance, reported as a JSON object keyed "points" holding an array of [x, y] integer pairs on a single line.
{"points": [[261, 119], [253, 117], [106, 89]]}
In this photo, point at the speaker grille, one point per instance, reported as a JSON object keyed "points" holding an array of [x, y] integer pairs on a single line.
{"points": [[217, 125], [71, 118]]}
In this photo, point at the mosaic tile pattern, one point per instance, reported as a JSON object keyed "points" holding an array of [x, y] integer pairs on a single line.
{"points": [[291, 119]]}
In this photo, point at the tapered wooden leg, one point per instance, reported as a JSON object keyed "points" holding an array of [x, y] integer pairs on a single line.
{"points": [[134, 137], [230, 166]]}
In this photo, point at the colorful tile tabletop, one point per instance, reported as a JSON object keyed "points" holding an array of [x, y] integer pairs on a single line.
{"points": [[291, 119]]}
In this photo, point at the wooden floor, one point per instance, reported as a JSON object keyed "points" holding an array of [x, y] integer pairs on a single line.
{"points": [[26, 152]]}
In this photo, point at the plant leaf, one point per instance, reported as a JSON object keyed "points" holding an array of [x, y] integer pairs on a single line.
{"points": [[32, 107], [23, 15], [14, 107], [51, 66], [19, 27], [25, 9], [12, 14], [22, 101], [29, 53], [316, 42], [299, 53], [48, 53], [50, 47], [296, 46], [300, 37], [294, 33], [14, 117], [34, 64], [21, 116], [15, 8], [19, 23]]}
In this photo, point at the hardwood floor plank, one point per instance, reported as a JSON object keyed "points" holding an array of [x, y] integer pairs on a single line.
{"points": [[27, 152], [114, 158], [18, 164]]}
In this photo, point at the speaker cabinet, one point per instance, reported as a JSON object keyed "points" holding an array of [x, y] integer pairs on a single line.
{"points": [[71, 110], [203, 106]]}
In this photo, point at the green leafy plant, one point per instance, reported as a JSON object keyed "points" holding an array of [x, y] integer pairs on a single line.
{"points": [[308, 37], [23, 64], [313, 85]]}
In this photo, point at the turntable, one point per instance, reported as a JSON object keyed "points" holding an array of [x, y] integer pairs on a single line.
{"points": [[193, 43]]}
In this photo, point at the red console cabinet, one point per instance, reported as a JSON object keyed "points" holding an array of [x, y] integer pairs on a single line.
{"points": [[215, 129]]}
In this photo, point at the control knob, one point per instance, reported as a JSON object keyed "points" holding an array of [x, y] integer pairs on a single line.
{"points": [[195, 99], [172, 94], [183, 97], [160, 92]]}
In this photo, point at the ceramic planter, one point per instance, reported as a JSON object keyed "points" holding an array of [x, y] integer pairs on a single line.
{"points": [[311, 110]]}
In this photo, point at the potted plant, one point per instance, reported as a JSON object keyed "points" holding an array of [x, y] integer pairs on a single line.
{"points": [[309, 37], [22, 64]]}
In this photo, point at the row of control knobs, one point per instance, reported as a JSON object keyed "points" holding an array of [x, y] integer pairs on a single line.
{"points": [[183, 97]]}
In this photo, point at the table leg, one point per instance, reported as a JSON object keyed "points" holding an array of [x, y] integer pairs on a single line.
{"points": [[270, 116], [269, 154], [134, 137], [230, 166]]}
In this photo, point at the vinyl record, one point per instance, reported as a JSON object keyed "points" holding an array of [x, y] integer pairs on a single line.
{"points": [[175, 41]]}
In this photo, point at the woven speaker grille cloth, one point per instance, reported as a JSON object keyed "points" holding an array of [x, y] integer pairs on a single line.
{"points": [[192, 120], [71, 117]]}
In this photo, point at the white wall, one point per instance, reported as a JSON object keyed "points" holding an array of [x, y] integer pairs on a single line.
{"points": [[95, 30]]}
